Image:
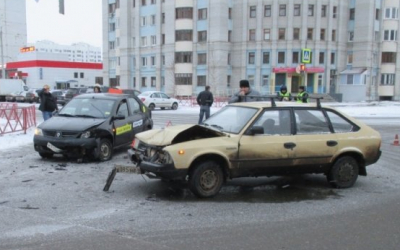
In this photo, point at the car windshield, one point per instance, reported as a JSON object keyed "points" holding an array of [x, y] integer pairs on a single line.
{"points": [[231, 119], [94, 108]]}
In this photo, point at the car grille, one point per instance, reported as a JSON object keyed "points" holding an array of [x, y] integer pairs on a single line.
{"points": [[61, 134]]}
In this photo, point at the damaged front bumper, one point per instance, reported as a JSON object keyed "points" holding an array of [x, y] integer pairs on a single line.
{"points": [[66, 146]]}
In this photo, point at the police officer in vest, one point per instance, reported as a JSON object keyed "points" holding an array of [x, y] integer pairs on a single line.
{"points": [[302, 96], [283, 95]]}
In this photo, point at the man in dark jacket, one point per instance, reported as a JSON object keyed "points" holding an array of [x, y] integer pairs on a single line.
{"points": [[48, 103], [246, 94], [205, 100]]}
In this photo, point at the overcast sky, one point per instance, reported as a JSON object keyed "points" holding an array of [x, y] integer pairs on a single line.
{"points": [[80, 23]]}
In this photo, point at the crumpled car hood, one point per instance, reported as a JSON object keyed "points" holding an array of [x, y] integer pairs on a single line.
{"points": [[177, 134], [70, 123]]}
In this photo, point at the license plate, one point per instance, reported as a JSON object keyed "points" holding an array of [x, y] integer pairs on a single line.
{"points": [[53, 148], [127, 169]]}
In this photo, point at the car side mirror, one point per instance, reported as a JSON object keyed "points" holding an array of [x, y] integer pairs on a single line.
{"points": [[256, 130], [118, 117]]}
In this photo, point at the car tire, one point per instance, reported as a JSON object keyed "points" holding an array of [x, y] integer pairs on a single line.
{"points": [[152, 106], [174, 106], [46, 155], [344, 172], [206, 179], [105, 150]]}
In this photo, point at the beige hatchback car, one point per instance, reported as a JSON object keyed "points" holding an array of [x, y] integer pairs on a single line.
{"points": [[259, 139]]}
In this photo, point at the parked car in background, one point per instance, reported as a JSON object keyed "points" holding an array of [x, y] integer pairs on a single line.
{"points": [[253, 139], [61, 98], [56, 93], [33, 95], [72, 92], [21, 97], [11, 97], [92, 125], [131, 92], [157, 99]]}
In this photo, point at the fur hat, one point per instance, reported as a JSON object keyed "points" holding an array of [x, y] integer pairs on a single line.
{"points": [[244, 84]]}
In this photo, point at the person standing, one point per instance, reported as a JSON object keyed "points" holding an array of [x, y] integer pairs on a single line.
{"points": [[245, 94], [96, 89], [48, 103], [283, 95], [302, 96], [205, 99]]}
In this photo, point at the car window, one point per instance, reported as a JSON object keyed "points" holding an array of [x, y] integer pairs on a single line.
{"points": [[269, 120], [163, 95], [123, 109], [134, 105], [97, 108], [155, 95], [311, 122], [339, 124]]}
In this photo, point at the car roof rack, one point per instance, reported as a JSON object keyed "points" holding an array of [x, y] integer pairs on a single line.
{"points": [[273, 104], [318, 98]]}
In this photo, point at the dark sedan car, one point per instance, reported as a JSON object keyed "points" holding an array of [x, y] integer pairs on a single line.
{"points": [[92, 125], [72, 92]]}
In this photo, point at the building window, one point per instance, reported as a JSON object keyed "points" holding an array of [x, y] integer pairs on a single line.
{"points": [[143, 2], [201, 80], [229, 35], [228, 81], [267, 34], [184, 13], [322, 35], [201, 58], [388, 79], [251, 79], [183, 79], [153, 61], [153, 20], [134, 82], [265, 80], [311, 10], [265, 58], [252, 35], [202, 36], [202, 14], [377, 14], [75, 74], [297, 10], [153, 40], [334, 12], [184, 35], [230, 13], [281, 57], [163, 38], [229, 59], [183, 57], [111, 27], [333, 35], [111, 45], [391, 13], [332, 58], [295, 57], [163, 60], [296, 33], [144, 61], [281, 34], [351, 36], [143, 21], [350, 58], [282, 10], [388, 57], [252, 58], [162, 17], [321, 58], [153, 81], [323, 11], [352, 13], [143, 41], [252, 11], [153, 1], [144, 82], [310, 33], [350, 79], [162, 81], [267, 10], [390, 35]]}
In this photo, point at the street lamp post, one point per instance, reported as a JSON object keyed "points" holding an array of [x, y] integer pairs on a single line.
{"points": [[3, 70]]}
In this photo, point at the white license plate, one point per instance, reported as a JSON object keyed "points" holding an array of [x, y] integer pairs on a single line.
{"points": [[127, 169], [54, 148]]}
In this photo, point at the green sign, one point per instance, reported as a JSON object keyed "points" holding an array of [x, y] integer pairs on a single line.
{"points": [[306, 55]]}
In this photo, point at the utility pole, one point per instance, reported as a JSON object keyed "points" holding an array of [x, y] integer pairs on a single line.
{"points": [[3, 70]]}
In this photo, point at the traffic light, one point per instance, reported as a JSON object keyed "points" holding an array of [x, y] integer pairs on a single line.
{"points": [[302, 67]]}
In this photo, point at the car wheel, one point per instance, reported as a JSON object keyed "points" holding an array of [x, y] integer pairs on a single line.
{"points": [[174, 106], [46, 155], [105, 150], [343, 173], [152, 106], [206, 179]]}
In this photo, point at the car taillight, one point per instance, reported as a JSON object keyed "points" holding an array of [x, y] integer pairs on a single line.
{"points": [[142, 99], [133, 143]]}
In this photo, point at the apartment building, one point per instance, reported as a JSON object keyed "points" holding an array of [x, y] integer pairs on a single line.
{"points": [[344, 47]]}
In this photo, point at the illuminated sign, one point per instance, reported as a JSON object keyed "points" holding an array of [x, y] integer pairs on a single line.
{"points": [[27, 49], [306, 55]]}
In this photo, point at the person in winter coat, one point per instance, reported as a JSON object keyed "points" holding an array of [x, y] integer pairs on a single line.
{"points": [[246, 94], [283, 95], [48, 103], [205, 99], [302, 96]]}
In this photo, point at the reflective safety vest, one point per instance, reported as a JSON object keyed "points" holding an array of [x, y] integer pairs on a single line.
{"points": [[300, 97], [284, 95]]}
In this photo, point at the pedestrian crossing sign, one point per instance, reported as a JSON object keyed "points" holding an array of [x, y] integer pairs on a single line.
{"points": [[306, 55]]}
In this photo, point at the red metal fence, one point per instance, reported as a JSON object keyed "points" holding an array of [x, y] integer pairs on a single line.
{"points": [[14, 118]]}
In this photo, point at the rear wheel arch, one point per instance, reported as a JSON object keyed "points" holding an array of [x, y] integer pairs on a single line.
{"points": [[357, 156]]}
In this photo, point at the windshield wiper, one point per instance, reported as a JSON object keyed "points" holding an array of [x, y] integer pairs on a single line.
{"points": [[86, 116], [67, 115], [217, 127]]}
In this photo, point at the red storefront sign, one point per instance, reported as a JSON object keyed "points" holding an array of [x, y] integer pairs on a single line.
{"points": [[293, 70]]}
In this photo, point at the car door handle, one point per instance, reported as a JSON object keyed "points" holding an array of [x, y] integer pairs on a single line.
{"points": [[289, 145], [331, 143]]}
